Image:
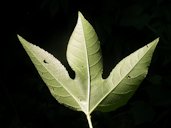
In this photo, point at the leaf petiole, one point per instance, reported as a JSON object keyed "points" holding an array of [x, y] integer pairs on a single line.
{"points": [[89, 120]]}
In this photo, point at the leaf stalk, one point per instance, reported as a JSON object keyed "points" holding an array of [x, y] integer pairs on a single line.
{"points": [[89, 120]]}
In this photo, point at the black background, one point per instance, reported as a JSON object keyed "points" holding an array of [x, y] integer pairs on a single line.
{"points": [[122, 27]]}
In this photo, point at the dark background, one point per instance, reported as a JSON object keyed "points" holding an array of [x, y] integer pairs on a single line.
{"points": [[122, 27]]}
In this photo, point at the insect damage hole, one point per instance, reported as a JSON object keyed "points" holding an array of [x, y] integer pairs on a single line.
{"points": [[44, 61], [129, 77]]}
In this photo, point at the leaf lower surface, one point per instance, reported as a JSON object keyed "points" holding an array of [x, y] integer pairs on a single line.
{"points": [[88, 91], [53, 74]]}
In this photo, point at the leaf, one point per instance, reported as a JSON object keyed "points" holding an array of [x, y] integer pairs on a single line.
{"points": [[89, 91]]}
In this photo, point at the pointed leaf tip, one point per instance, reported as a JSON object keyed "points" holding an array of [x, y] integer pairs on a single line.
{"points": [[19, 37], [80, 14], [156, 40]]}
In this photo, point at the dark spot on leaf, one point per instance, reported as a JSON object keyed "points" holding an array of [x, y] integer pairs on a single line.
{"points": [[129, 77], [45, 61], [147, 46]]}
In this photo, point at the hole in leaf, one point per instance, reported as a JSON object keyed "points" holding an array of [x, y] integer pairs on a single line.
{"points": [[129, 77], [45, 61]]}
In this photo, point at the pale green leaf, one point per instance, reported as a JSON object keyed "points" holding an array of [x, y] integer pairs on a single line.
{"points": [[88, 91]]}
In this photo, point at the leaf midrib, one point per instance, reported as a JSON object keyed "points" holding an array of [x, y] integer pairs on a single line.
{"points": [[88, 70]]}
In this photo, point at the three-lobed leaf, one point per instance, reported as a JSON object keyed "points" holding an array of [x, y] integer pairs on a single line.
{"points": [[88, 91]]}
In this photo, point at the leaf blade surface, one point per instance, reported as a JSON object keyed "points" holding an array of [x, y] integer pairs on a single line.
{"points": [[53, 74], [84, 57], [88, 91], [125, 78]]}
